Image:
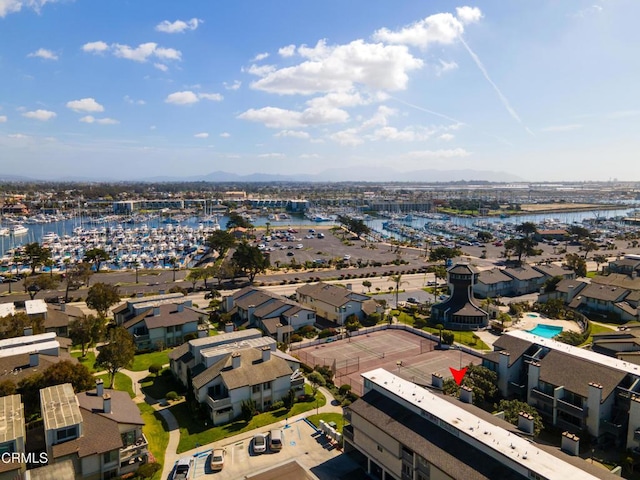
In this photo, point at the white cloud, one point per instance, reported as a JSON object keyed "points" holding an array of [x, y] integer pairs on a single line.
{"points": [[274, 117], [340, 68], [591, 10], [18, 136], [179, 26], [101, 121], [14, 6], [85, 105], [225, 134], [42, 115], [233, 86], [408, 134], [271, 155], [292, 133], [182, 98], [188, 97], [469, 14], [562, 128], [201, 135], [43, 53], [141, 53], [451, 153], [447, 137], [288, 51], [261, 70], [3, 119], [95, 47], [349, 137], [340, 99], [441, 28], [260, 56], [215, 97], [152, 127], [445, 66], [161, 66], [310, 155], [131, 101]]}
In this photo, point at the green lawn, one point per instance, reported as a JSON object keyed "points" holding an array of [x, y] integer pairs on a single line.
{"points": [[337, 418], [194, 431], [144, 360], [88, 360], [157, 387], [597, 329], [122, 383], [464, 336], [156, 432]]}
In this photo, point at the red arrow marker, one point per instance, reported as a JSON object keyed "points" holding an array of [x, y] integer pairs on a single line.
{"points": [[458, 375]]}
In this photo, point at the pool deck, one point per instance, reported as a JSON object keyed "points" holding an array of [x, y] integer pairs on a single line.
{"points": [[529, 323]]}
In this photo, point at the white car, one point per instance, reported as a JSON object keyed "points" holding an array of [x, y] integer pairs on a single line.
{"points": [[182, 469], [217, 459], [299, 246], [347, 257], [259, 443]]}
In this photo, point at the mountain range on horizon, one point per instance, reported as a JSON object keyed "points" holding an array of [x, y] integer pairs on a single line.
{"points": [[362, 174]]}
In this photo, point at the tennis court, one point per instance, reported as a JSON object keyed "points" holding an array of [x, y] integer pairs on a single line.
{"points": [[404, 353]]}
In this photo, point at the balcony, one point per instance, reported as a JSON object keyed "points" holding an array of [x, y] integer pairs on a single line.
{"points": [[636, 434], [347, 432], [215, 404], [135, 453], [540, 395], [571, 409]]}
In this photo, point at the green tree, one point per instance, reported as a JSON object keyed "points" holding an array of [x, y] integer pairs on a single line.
{"points": [[7, 387], [512, 408], [86, 331], [578, 232], [155, 368], [316, 380], [101, 297], [36, 255], [66, 371], [33, 285], [599, 259], [397, 280], [249, 260], [96, 256], [528, 229], [237, 220], [367, 284], [116, 354], [589, 246], [248, 409], [442, 254], [485, 236], [221, 241], [13, 325], [576, 263], [483, 382], [194, 276], [522, 247], [550, 284]]}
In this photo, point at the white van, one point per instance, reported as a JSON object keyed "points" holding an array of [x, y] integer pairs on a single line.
{"points": [[275, 440]]}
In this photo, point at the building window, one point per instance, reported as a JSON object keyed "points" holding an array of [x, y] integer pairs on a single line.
{"points": [[65, 434], [110, 457], [380, 448], [255, 389], [266, 386]]}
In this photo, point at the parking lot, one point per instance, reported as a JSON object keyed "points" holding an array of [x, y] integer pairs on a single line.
{"points": [[301, 442]]}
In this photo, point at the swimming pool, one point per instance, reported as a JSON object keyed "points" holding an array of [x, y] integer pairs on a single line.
{"points": [[546, 331]]}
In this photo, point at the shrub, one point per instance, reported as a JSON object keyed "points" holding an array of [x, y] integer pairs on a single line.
{"points": [[277, 405], [447, 337], [155, 368], [172, 396], [344, 389], [148, 470], [295, 338], [327, 332]]}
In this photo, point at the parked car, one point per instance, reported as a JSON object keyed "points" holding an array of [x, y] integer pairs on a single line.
{"points": [[182, 469], [259, 443], [217, 459], [412, 300], [347, 257], [299, 246], [275, 440], [289, 254]]}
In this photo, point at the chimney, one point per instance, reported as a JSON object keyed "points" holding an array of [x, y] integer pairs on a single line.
{"points": [[139, 295], [436, 381], [570, 443], [235, 360], [161, 292], [228, 327], [266, 354], [99, 387], [156, 311], [180, 307], [63, 307], [27, 331], [106, 403], [349, 286], [525, 422], [34, 359], [466, 394]]}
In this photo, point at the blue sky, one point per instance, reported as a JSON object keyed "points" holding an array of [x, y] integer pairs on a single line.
{"points": [[545, 90]]}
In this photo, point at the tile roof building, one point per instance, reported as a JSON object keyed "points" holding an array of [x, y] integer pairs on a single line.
{"points": [[333, 302], [459, 311], [12, 435]]}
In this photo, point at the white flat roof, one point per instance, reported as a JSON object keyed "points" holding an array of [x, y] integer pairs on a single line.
{"points": [[230, 347], [225, 338], [7, 309], [588, 355], [34, 307], [11, 418], [59, 407], [507, 448], [50, 347], [27, 340]]}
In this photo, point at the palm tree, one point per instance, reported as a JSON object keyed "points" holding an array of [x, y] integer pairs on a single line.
{"points": [[173, 261], [397, 279]]}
